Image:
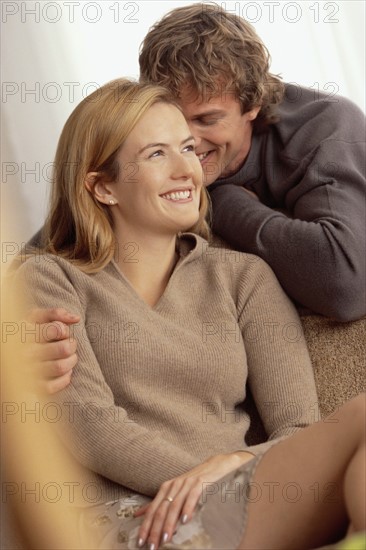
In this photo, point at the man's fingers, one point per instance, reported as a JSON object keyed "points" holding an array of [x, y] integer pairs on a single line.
{"points": [[54, 374], [48, 332], [56, 384], [51, 351], [59, 367], [55, 314], [50, 355], [51, 332]]}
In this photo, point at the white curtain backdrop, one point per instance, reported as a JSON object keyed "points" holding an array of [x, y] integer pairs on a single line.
{"points": [[55, 53]]}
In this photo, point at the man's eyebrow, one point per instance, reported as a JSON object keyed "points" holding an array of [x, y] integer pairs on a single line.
{"points": [[149, 145]]}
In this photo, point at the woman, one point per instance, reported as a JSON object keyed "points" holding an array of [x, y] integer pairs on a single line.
{"points": [[171, 333]]}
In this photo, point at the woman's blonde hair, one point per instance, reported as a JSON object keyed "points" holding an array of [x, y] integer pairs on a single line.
{"points": [[79, 228], [211, 51]]}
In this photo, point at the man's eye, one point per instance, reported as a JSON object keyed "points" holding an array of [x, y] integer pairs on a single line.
{"points": [[206, 121]]}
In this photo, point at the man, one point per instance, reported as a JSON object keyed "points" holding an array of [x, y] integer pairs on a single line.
{"points": [[284, 166], [306, 217]]}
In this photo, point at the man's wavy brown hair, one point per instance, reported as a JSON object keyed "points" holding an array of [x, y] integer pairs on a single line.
{"points": [[211, 51]]}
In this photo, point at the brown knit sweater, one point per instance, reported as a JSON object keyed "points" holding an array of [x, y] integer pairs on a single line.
{"points": [[157, 390]]}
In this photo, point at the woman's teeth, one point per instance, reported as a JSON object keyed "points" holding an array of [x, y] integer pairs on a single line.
{"points": [[177, 195]]}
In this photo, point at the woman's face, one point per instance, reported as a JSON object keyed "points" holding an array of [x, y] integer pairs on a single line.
{"points": [[160, 176]]}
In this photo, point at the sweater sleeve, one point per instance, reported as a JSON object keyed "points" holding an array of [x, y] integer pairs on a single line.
{"points": [[319, 253], [102, 436], [280, 374]]}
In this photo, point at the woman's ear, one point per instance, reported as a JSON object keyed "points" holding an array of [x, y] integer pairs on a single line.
{"points": [[100, 189]]}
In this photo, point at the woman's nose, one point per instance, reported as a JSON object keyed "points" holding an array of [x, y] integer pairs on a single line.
{"points": [[183, 168]]}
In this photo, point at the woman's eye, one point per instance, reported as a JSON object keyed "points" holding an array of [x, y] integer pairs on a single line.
{"points": [[156, 154], [189, 148]]}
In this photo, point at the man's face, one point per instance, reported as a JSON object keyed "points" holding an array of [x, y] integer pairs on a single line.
{"points": [[222, 133]]}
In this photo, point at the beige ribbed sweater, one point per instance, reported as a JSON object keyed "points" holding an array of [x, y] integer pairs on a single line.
{"points": [[157, 390]]}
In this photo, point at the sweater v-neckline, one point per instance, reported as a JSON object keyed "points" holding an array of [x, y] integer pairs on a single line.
{"points": [[137, 295], [182, 252]]}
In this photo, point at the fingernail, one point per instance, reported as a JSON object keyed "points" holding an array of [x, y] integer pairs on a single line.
{"points": [[184, 518], [152, 546], [165, 537], [140, 543]]}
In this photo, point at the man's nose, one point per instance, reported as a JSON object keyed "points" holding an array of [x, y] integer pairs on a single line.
{"points": [[195, 133]]}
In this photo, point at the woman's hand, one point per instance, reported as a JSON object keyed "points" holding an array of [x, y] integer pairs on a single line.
{"points": [[177, 498]]}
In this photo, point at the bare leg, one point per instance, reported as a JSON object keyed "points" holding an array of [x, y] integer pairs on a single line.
{"points": [[311, 485]]}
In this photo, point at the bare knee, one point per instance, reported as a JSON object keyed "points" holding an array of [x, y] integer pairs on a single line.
{"points": [[354, 411], [358, 405]]}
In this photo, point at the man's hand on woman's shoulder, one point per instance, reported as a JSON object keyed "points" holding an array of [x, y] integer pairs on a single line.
{"points": [[54, 354]]}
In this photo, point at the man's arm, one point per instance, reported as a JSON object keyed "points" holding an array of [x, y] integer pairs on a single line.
{"points": [[53, 356], [319, 254]]}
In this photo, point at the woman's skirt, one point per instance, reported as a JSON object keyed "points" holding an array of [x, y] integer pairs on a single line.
{"points": [[218, 522]]}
